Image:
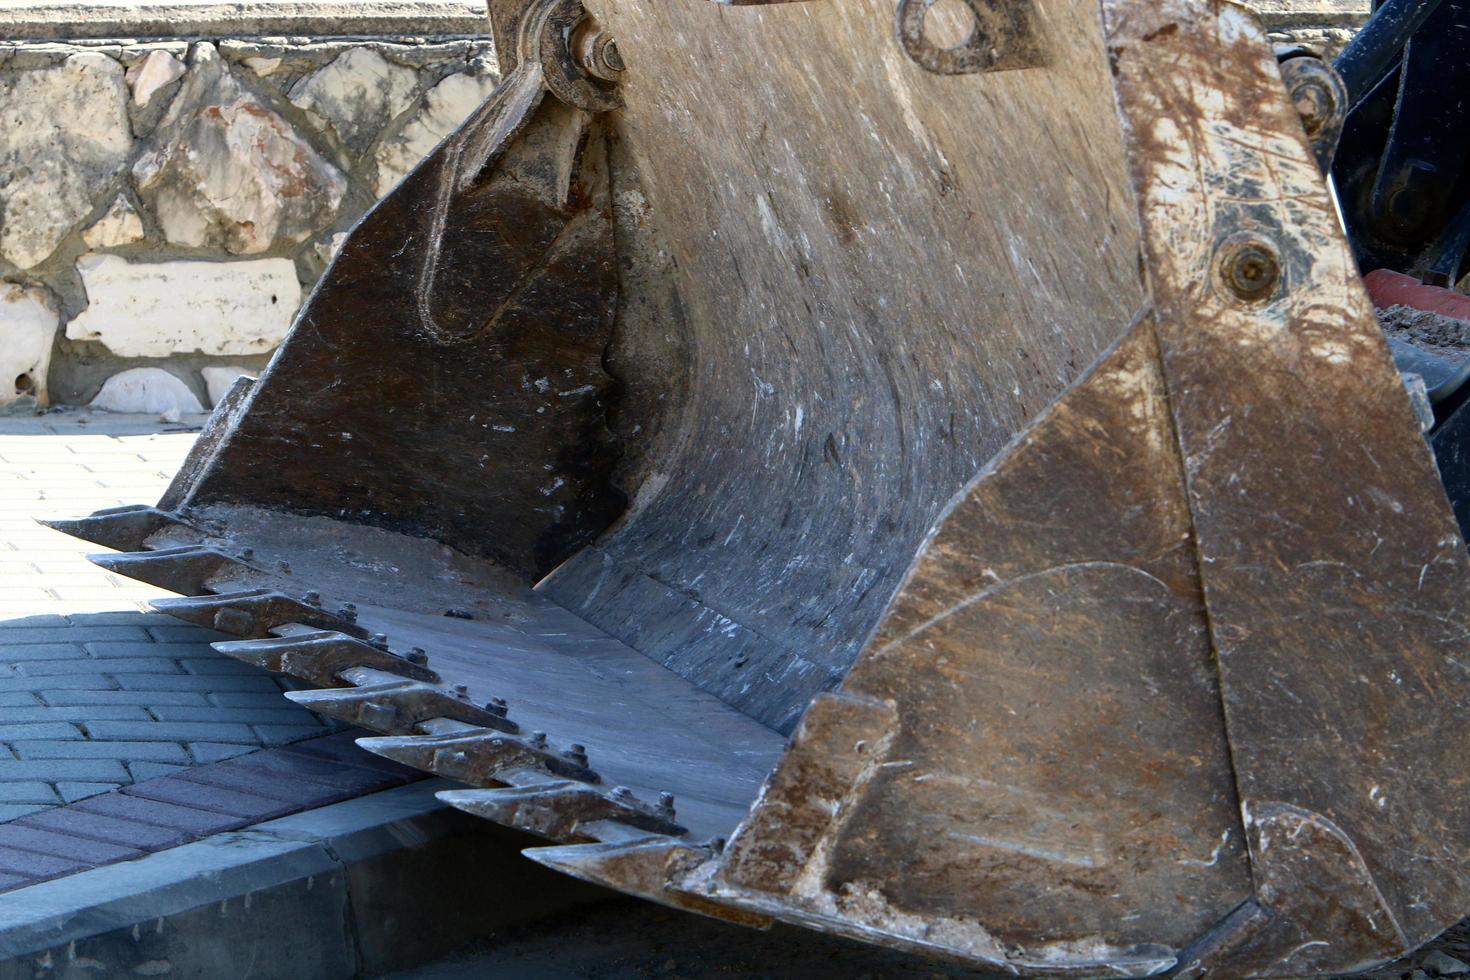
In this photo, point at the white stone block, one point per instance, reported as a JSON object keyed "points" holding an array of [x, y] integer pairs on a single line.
{"points": [[150, 391], [446, 106], [148, 309], [154, 72], [356, 94], [219, 380], [64, 134], [119, 226], [29, 317]]}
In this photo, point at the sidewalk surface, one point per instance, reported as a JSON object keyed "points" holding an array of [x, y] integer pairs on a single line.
{"points": [[96, 692]]}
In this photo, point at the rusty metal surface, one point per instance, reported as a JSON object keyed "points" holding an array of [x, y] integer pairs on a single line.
{"points": [[490, 277], [1333, 571], [1222, 564], [869, 306], [1163, 686], [1056, 777]]}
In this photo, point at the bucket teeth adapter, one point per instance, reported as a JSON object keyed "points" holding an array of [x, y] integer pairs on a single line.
{"points": [[954, 497]]}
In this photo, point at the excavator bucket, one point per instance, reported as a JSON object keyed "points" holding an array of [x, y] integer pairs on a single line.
{"points": [[930, 474]]}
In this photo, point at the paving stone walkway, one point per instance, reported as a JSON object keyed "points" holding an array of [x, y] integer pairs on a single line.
{"points": [[95, 691]]}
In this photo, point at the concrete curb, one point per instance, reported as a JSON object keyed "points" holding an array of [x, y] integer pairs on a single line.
{"points": [[378, 883]]}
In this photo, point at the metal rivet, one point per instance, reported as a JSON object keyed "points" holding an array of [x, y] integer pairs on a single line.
{"points": [[379, 640], [416, 656], [1250, 268], [538, 739], [246, 554], [666, 804], [312, 598], [462, 692]]}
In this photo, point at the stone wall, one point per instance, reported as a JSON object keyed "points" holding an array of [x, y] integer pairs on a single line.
{"points": [[166, 205]]}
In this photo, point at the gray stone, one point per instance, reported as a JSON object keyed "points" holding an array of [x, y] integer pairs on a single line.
{"points": [[146, 390], [356, 95], [29, 316], [224, 169], [64, 135], [445, 107]]}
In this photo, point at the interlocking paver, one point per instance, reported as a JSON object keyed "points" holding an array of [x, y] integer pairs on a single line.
{"points": [[35, 730], [60, 845], [15, 811], [173, 731], [214, 799], [283, 712], [243, 699], [78, 749], [149, 770], [96, 689], [95, 826], [74, 634], [43, 668], [11, 652], [160, 813], [285, 734], [71, 792], [187, 634], [176, 650], [50, 770], [145, 699], [259, 681], [207, 752], [29, 864], [34, 791], [217, 665], [77, 713]]}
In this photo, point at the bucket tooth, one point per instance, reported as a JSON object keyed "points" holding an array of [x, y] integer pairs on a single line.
{"points": [[561, 811], [254, 614], [396, 707], [118, 528], [657, 869], [321, 658], [478, 758], [190, 570]]}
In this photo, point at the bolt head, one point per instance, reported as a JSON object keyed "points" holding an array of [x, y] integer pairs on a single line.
{"points": [[1250, 268]]}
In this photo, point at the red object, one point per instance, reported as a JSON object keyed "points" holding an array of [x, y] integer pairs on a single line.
{"points": [[1388, 288]]}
